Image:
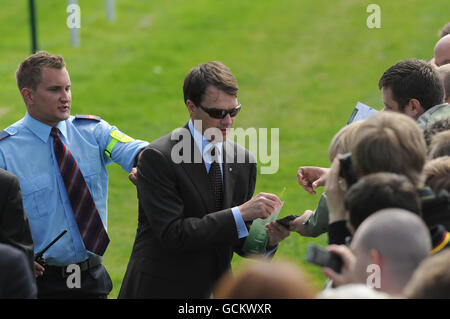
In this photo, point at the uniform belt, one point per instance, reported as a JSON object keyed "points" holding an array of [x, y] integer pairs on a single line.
{"points": [[84, 265]]}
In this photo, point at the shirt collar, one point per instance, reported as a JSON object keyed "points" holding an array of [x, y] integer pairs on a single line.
{"points": [[42, 130], [203, 144]]}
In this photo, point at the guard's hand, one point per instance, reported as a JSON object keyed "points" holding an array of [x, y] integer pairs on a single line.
{"points": [[38, 269], [276, 233], [133, 175], [261, 206], [311, 177]]}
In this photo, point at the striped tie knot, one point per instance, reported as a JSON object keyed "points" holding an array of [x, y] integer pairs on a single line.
{"points": [[54, 132]]}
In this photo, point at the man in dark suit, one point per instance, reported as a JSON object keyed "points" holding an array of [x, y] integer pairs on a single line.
{"points": [[14, 227], [17, 280], [195, 193]]}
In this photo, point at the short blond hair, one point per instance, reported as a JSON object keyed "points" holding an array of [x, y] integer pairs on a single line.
{"points": [[440, 145], [431, 280], [343, 140], [266, 280], [29, 72], [444, 75], [437, 174], [390, 142]]}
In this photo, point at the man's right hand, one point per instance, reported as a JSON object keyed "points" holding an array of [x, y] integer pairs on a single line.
{"points": [[261, 206], [297, 224], [311, 177]]}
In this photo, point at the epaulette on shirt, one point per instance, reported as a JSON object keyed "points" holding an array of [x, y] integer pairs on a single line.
{"points": [[3, 135], [87, 117], [440, 238]]}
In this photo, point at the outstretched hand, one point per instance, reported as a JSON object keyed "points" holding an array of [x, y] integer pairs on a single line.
{"points": [[276, 233], [311, 177], [297, 224]]}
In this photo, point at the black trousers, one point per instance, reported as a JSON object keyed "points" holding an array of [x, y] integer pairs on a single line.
{"points": [[94, 283]]}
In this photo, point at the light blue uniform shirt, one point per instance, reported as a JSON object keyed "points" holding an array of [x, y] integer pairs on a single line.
{"points": [[28, 153], [205, 146]]}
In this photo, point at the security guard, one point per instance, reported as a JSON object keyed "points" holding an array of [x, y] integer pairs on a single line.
{"points": [[60, 161]]}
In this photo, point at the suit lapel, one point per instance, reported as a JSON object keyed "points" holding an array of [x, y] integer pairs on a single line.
{"points": [[197, 173], [229, 171]]}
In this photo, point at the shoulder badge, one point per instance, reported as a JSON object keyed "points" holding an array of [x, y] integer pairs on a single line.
{"points": [[87, 117], [3, 135]]}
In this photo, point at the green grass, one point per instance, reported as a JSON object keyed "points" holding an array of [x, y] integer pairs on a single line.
{"points": [[301, 67]]}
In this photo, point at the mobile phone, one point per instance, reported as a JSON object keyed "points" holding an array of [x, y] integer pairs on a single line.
{"points": [[321, 257], [285, 221], [346, 170]]}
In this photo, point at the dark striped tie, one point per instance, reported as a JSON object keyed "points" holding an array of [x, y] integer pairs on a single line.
{"points": [[86, 214], [215, 179]]}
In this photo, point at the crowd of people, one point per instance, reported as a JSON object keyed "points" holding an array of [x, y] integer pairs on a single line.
{"points": [[388, 224], [395, 215]]}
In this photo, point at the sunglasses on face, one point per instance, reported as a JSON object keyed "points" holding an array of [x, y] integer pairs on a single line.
{"points": [[219, 113]]}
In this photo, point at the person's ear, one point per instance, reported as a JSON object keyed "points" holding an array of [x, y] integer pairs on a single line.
{"points": [[414, 108], [28, 96], [190, 106], [375, 257]]}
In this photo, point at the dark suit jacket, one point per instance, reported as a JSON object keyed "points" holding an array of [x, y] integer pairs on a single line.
{"points": [[182, 245], [16, 279], [14, 227]]}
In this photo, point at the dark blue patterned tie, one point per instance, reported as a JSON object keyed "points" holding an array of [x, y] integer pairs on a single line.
{"points": [[86, 214], [215, 179]]}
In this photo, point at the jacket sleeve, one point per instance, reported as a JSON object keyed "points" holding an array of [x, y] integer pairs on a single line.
{"points": [[337, 233], [19, 281], [251, 190], [14, 226]]}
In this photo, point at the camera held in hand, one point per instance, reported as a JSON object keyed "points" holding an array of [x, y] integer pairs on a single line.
{"points": [[347, 172], [321, 257]]}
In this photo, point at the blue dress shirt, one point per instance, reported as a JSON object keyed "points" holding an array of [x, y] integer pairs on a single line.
{"points": [[205, 146], [28, 153]]}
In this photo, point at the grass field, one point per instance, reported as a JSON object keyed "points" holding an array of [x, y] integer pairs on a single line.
{"points": [[301, 67]]}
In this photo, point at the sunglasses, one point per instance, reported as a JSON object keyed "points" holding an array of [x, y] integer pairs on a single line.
{"points": [[219, 113]]}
